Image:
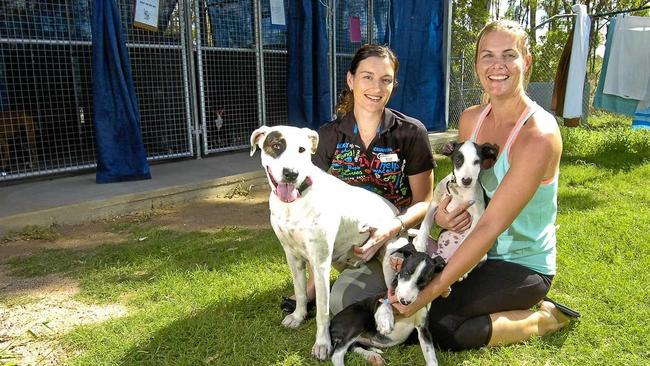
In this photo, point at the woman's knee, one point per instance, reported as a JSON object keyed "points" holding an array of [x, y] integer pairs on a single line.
{"points": [[471, 334], [356, 284]]}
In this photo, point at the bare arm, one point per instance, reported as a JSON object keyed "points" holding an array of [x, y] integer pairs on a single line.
{"points": [[517, 188], [422, 191]]}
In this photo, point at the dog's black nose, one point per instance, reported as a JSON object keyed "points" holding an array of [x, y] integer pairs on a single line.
{"points": [[289, 175], [466, 181], [404, 302]]}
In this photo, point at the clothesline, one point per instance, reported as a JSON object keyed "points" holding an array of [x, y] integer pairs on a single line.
{"points": [[644, 7]]}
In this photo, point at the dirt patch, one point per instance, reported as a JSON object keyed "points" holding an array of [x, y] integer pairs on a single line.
{"points": [[28, 332], [35, 311], [250, 211]]}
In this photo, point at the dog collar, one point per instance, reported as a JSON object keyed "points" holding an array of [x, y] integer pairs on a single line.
{"points": [[452, 180], [305, 184]]}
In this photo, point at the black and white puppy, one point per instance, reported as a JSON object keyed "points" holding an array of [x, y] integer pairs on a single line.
{"points": [[468, 159], [371, 322]]}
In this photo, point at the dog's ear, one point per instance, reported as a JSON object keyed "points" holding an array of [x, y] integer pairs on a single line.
{"points": [[406, 250], [313, 137], [449, 148], [488, 153], [257, 137]]}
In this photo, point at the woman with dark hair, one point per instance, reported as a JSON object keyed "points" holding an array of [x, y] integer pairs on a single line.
{"points": [[379, 149]]}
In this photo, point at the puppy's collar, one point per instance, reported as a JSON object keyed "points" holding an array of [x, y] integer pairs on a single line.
{"points": [[451, 181]]}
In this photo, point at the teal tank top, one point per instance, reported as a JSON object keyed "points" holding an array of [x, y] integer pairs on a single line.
{"points": [[530, 240]]}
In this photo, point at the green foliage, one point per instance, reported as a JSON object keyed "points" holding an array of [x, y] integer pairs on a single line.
{"points": [[547, 41]]}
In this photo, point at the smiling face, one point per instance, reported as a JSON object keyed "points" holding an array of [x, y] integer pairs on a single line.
{"points": [[502, 63], [372, 84], [286, 156]]}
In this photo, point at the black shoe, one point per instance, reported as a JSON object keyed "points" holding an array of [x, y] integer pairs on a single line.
{"points": [[288, 305], [563, 309]]}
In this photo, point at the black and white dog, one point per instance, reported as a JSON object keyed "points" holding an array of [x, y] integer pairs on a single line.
{"points": [[371, 322], [318, 220], [462, 184]]}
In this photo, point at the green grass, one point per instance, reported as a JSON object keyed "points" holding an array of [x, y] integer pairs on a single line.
{"points": [[32, 232], [212, 298]]}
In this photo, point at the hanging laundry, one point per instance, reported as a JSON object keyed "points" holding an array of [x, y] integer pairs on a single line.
{"points": [[629, 65], [609, 102], [578, 64], [561, 77], [642, 115]]}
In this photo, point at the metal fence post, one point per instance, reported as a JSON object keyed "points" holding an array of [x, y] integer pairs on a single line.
{"points": [[259, 57], [189, 56]]}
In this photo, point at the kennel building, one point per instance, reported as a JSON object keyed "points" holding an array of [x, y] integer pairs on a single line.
{"points": [[209, 74]]}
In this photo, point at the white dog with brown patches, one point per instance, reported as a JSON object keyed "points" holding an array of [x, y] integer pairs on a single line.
{"points": [[318, 220]]}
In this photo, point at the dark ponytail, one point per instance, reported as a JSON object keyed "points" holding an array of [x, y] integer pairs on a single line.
{"points": [[345, 104]]}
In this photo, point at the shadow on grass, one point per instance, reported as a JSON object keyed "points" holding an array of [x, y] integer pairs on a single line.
{"points": [[557, 339], [249, 333], [576, 201], [151, 254], [614, 161], [245, 332]]}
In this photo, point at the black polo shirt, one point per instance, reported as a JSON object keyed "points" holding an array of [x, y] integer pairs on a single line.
{"points": [[401, 148]]}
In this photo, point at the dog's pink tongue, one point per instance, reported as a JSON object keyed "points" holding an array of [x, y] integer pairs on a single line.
{"points": [[286, 192]]}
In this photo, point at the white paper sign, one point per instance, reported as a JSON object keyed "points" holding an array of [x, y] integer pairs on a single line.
{"points": [[277, 12], [146, 14]]}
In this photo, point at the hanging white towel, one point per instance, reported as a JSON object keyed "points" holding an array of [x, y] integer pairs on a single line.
{"points": [[578, 63], [629, 64]]}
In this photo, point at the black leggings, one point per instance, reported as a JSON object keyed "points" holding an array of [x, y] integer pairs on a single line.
{"points": [[462, 320]]}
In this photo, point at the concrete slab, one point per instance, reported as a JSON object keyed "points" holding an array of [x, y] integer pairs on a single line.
{"points": [[75, 199], [70, 200]]}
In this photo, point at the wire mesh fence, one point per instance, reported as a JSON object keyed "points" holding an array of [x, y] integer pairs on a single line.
{"points": [[214, 68], [211, 72], [159, 67], [46, 85], [46, 104], [229, 81]]}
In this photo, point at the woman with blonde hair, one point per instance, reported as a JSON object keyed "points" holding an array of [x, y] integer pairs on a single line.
{"points": [[517, 231]]}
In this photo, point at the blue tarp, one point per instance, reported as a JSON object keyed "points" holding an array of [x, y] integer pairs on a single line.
{"points": [[415, 34], [308, 84], [120, 151]]}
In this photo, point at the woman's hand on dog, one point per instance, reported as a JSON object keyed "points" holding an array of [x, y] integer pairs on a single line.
{"points": [[457, 220], [378, 237], [408, 310]]}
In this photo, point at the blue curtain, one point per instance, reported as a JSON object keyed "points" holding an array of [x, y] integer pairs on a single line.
{"points": [[416, 33], [120, 151], [308, 84]]}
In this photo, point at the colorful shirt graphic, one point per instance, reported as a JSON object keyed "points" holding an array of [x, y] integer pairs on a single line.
{"points": [[401, 148], [379, 170]]}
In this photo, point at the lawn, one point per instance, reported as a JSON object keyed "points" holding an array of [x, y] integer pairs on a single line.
{"points": [[211, 298]]}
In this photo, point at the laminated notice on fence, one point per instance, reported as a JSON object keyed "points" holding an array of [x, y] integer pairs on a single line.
{"points": [[355, 29], [146, 14], [277, 12]]}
